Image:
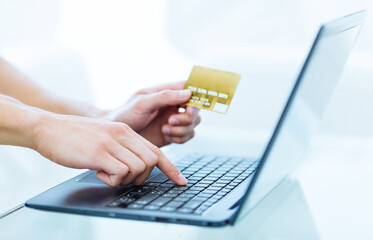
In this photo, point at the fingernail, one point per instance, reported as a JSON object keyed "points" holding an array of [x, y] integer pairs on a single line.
{"points": [[193, 110], [182, 179], [167, 138], [185, 93], [174, 121], [166, 130]]}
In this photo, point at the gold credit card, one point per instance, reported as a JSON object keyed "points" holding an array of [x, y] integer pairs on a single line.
{"points": [[211, 89]]}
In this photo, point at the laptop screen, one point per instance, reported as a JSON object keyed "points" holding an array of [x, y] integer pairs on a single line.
{"points": [[305, 107]]}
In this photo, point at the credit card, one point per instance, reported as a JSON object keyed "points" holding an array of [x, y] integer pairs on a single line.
{"points": [[211, 89]]}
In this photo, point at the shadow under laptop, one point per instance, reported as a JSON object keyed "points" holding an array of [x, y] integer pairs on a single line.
{"points": [[282, 214]]}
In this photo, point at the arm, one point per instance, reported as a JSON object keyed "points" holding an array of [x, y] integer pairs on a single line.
{"points": [[13, 83], [151, 112], [119, 155]]}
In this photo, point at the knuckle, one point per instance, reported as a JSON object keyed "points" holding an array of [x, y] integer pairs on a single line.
{"points": [[156, 151], [122, 170], [152, 160], [120, 128], [96, 157], [105, 141], [114, 181], [166, 94], [139, 168]]}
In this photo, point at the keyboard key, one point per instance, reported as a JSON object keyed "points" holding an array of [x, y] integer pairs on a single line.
{"points": [[218, 185], [194, 178], [160, 178], [207, 191], [157, 192], [161, 188], [186, 195], [139, 191], [200, 198], [169, 195], [183, 188], [181, 199], [185, 210], [135, 206], [206, 182], [151, 207], [192, 204], [203, 185], [114, 204], [214, 188], [152, 184], [211, 178], [228, 179], [196, 188], [192, 191], [168, 209], [126, 199], [192, 181], [160, 201], [146, 199], [223, 181], [205, 195], [168, 185], [175, 191], [174, 204]]}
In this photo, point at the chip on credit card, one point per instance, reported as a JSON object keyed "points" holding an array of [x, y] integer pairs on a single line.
{"points": [[211, 89]]}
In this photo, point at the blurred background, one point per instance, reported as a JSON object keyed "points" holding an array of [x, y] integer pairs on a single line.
{"points": [[103, 51]]}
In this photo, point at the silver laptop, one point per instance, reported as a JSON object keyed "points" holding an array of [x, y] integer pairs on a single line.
{"points": [[222, 189]]}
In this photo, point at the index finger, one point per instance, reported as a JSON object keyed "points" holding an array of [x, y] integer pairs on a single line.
{"points": [[164, 164], [170, 170]]}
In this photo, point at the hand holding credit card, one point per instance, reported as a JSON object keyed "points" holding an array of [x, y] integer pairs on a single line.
{"points": [[211, 89]]}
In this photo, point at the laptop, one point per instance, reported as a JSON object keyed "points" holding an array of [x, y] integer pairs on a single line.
{"points": [[222, 189]]}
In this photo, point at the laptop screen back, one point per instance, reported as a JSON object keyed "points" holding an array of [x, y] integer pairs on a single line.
{"points": [[305, 107]]}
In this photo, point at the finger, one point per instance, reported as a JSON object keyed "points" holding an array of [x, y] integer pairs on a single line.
{"points": [[180, 140], [137, 147], [135, 165], [145, 154], [142, 177], [165, 165], [165, 98], [192, 111], [177, 131], [167, 86], [183, 119], [111, 171]]}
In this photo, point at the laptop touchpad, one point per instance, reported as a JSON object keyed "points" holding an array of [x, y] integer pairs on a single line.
{"points": [[91, 177]]}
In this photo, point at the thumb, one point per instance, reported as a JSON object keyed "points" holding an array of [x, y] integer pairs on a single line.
{"points": [[168, 98]]}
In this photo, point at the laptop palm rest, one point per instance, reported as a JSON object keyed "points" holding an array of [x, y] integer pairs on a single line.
{"points": [[91, 177]]}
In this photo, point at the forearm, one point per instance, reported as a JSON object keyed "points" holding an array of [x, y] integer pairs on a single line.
{"points": [[15, 84], [18, 122]]}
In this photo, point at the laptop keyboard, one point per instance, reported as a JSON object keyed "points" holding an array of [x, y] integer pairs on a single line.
{"points": [[209, 179]]}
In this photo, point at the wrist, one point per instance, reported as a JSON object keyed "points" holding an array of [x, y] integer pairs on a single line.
{"points": [[18, 122]]}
